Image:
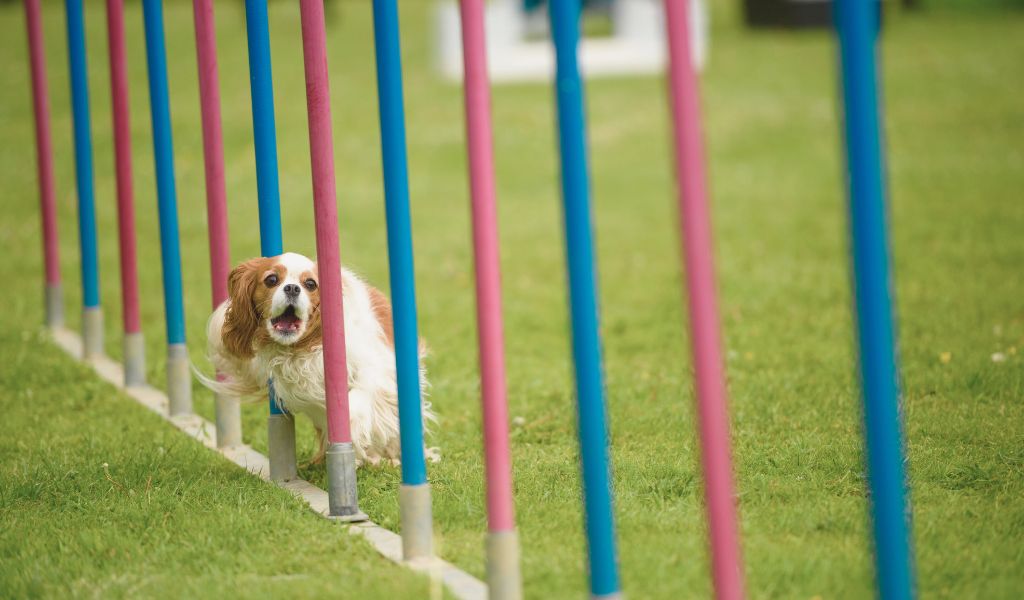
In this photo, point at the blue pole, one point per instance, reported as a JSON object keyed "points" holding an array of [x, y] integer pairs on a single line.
{"points": [[857, 26], [280, 425], [586, 342], [261, 81], [396, 198], [179, 375], [163, 155], [83, 154]]}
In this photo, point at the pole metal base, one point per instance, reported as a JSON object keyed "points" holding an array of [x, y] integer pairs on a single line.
{"points": [[179, 380], [281, 447], [229, 421], [417, 521], [342, 492], [92, 332], [54, 305], [503, 577], [611, 596], [134, 359]]}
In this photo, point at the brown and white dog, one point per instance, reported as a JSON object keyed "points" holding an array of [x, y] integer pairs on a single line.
{"points": [[270, 328]]}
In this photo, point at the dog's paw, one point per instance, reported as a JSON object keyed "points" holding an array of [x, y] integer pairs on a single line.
{"points": [[433, 454], [314, 460]]}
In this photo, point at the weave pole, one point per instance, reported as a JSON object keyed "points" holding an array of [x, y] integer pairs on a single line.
{"points": [[280, 425], [342, 493], [53, 296], [503, 574], [414, 496], [857, 29], [179, 374], [134, 344], [92, 313], [705, 333], [227, 411], [586, 340]]}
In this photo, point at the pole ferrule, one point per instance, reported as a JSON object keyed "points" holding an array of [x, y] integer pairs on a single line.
{"points": [[179, 380], [229, 421], [281, 447], [92, 332], [54, 305], [134, 359], [417, 521], [504, 580], [342, 492]]}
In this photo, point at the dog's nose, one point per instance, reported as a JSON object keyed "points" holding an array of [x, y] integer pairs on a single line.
{"points": [[291, 290]]}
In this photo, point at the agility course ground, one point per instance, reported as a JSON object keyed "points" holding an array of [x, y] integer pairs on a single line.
{"points": [[954, 127]]}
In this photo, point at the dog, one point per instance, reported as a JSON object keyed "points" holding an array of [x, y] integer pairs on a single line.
{"points": [[269, 328]]}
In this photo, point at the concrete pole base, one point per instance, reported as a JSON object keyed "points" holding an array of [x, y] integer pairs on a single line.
{"points": [[504, 581], [54, 305], [92, 332], [342, 492], [179, 380], [229, 421], [417, 521], [134, 359], [281, 447]]}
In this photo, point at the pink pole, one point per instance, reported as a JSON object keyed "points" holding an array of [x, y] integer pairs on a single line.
{"points": [[500, 512], [228, 413], [123, 166], [213, 149], [695, 224], [321, 150], [503, 574], [44, 148]]}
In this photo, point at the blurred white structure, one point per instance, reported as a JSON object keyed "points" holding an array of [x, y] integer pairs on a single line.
{"points": [[519, 49]]}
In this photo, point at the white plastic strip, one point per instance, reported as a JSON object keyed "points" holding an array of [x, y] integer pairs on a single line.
{"points": [[462, 585]]}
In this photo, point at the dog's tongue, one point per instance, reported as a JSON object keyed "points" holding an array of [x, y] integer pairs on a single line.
{"points": [[287, 321]]}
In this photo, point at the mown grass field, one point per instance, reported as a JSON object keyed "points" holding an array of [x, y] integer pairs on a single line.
{"points": [[165, 518]]}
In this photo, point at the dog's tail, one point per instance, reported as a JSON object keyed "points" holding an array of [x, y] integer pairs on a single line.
{"points": [[230, 379], [244, 391]]}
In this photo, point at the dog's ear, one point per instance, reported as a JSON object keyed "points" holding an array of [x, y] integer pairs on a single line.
{"points": [[242, 322], [382, 311]]}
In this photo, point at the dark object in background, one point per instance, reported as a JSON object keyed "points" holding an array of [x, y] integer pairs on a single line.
{"points": [[794, 14], [798, 14], [605, 5]]}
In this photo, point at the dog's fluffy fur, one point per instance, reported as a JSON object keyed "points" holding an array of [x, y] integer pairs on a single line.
{"points": [[270, 328]]}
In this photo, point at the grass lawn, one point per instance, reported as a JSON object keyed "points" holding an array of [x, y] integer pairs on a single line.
{"points": [[174, 520]]}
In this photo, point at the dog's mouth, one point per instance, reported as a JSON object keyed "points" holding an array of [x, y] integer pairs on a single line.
{"points": [[287, 321]]}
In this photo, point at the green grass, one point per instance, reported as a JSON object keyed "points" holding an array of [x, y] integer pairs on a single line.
{"points": [[956, 165], [100, 498]]}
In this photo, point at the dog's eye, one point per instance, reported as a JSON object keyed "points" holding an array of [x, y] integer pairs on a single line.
{"points": [[270, 280], [310, 285]]}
